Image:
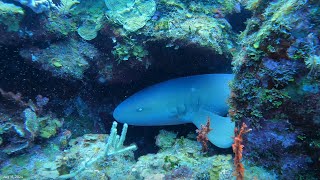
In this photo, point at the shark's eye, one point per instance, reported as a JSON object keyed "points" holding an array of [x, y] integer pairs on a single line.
{"points": [[139, 109]]}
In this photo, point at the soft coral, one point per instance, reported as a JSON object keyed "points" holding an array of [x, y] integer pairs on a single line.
{"points": [[203, 135], [237, 148]]}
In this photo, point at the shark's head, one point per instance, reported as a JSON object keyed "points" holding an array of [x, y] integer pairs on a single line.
{"points": [[145, 108]]}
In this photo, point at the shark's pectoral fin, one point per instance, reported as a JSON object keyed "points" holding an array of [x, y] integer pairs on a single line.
{"points": [[222, 128]]}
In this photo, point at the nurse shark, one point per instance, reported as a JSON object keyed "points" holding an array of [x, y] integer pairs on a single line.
{"points": [[189, 99]]}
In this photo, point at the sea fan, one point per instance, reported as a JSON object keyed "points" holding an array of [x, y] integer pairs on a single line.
{"points": [[313, 61]]}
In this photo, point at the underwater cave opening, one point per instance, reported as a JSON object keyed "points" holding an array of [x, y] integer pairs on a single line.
{"points": [[169, 63], [18, 75], [174, 62]]}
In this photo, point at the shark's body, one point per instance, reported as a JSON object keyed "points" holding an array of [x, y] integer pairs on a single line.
{"points": [[184, 100]]}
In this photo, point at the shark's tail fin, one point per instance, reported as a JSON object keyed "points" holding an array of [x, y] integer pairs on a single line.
{"points": [[222, 128]]}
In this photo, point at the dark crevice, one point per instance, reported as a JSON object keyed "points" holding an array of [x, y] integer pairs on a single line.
{"points": [[237, 20]]}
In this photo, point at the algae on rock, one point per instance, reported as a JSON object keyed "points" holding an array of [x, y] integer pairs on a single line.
{"points": [[131, 14], [10, 15]]}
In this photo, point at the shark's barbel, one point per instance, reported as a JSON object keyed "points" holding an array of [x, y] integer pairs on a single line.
{"points": [[183, 100]]}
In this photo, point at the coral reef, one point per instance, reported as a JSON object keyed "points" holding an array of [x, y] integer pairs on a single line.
{"points": [[182, 159], [63, 59], [23, 123], [38, 6], [85, 156], [75, 17], [277, 146], [129, 49], [180, 24], [274, 73], [11, 16], [113, 147], [102, 46], [191, 23], [131, 14]]}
